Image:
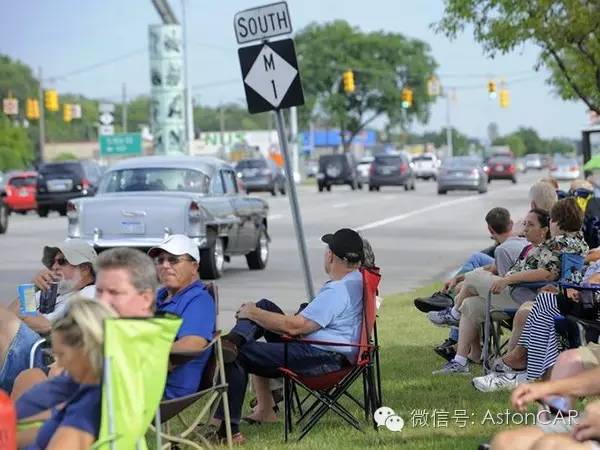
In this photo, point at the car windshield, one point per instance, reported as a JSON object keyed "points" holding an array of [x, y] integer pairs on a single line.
{"points": [[460, 162], [388, 160], [423, 158], [251, 164], [19, 182], [61, 168], [154, 179]]}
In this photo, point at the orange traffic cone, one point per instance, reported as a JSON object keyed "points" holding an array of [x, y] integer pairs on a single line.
{"points": [[8, 423]]}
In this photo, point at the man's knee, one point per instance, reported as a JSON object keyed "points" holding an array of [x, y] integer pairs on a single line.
{"points": [[268, 305], [569, 360]]}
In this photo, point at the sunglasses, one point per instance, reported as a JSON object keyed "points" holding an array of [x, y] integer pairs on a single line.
{"points": [[62, 261], [171, 259]]}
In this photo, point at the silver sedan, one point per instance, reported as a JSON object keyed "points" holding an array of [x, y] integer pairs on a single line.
{"points": [[462, 173]]}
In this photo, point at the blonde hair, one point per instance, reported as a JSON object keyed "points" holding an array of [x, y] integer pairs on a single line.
{"points": [[543, 195], [82, 326], [581, 184]]}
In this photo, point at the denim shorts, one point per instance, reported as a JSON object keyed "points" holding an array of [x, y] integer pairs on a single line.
{"points": [[17, 357]]}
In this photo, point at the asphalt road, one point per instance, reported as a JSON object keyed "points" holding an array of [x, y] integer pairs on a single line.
{"points": [[417, 237]]}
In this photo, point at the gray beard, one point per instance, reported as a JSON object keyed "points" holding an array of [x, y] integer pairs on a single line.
{"points": [[66, 286]]}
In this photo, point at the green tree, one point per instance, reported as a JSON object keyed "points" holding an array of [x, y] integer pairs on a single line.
{"points": [[533, 143], [15, 147], [383, 64], [557, 145], [566, 31], [514, 142]]}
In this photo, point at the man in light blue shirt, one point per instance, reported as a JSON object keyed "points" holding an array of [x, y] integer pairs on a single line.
{"points": [[334, 315]]}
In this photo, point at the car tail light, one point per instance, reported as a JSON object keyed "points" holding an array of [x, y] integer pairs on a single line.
{"points": [[512, 168], [9, 190], [403, 168], [574, 169], [85, 184], [71, 210], [474, 172], [195, 211]]}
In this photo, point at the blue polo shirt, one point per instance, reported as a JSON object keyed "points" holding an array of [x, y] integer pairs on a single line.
{"points": [[338, 310], [46, 395], [195, 306]]}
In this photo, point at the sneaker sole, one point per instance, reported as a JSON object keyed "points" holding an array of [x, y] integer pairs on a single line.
{"points": [[427, 307]]}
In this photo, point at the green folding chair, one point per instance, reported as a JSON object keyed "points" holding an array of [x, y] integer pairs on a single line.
{"points": [[136, 356]]}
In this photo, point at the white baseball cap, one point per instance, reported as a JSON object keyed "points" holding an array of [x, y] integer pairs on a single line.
{"points": [[177, 244], [76, 251]]}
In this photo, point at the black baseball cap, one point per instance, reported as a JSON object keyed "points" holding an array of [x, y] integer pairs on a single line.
{"points": [[345, 244]]}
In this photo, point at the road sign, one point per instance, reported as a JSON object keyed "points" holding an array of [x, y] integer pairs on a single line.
{"points": [[106, 119], [271, 77], [263, 22], [10, 106], [124, 144]]}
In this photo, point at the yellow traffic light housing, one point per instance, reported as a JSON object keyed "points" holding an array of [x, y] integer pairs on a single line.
{"points": [[504, 98], [32, 109], [492, 89], [348, 81], [407, 98], [67, 112], [51, 100]]}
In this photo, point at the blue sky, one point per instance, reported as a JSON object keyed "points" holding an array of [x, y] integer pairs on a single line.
{"points": [[62, 36]]}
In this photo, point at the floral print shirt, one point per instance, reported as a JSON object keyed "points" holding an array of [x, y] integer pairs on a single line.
{"points": [[547, 254]]}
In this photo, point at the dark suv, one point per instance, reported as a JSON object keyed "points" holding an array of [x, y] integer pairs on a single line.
{"points": [[391, 170], [60, 182], [260, 174], [337, 169]]}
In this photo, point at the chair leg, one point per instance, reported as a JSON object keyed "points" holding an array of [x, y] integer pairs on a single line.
{"points": [[366, 394]]}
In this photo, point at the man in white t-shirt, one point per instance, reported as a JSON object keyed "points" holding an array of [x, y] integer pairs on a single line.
{"points": [[70, 264]]}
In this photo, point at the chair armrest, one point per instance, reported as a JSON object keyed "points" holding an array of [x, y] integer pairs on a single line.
{"points": [[287, 339], [182, 357], [578, 287]]}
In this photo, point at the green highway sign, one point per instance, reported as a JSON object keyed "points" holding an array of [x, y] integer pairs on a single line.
{"points": [[124, 144]]}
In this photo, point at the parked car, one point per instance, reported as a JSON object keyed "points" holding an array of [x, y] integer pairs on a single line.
{"points": [[337, 169], [533, 161], [426, 166], [261, 175], [391, 170], [20, 191], [59, 182], [462, 173], [565, 169], [363, 167], [501, 168], [141, 201]]}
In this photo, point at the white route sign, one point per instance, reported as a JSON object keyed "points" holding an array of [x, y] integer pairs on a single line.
{"points": [[263, 22]]}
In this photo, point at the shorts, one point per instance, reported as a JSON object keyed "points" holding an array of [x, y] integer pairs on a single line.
{"points": [[590, 355], [17, 357], [474, 307]]}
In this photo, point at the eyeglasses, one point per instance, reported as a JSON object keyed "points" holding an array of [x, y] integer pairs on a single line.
{"points": [[171, 259], [61, 261]]}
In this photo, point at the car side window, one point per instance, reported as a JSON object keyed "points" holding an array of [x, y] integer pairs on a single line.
{"points": [[216, 184], [230, 182]]}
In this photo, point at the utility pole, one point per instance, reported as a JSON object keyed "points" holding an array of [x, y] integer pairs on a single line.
{"points": [[124, 108], [42, 124], [448, 127], [189, 112]]}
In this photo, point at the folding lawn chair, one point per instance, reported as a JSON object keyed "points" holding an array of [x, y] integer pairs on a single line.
{"points": [[328, 388], [496, 320], [212, 389]]}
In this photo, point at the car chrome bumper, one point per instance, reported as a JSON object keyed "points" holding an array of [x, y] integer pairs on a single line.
{"points": [[133, 242]]}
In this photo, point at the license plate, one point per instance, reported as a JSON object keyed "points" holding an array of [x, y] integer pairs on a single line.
{"points": [[249, 172], [59, 185], [459, 174], [23, 193], [386, 170], [499, 169], [133, 227]]}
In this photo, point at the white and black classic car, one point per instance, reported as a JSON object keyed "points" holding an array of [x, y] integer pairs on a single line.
{"points": [[141, 201]]}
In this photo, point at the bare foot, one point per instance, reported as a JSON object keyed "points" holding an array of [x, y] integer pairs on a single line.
{"points": [[263, 416]]}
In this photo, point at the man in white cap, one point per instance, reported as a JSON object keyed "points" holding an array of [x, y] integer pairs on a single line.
{"points": [[70, 265], [183, 294]]}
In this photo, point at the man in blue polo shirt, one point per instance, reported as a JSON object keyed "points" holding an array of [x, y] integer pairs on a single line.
{"points": [[183, 294]]}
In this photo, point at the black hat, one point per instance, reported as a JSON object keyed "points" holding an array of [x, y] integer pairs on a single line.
{"points": [[345, 244]]}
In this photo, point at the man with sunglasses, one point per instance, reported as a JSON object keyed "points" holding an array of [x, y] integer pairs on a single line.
{"points": [[183, 294], [70, 265]]}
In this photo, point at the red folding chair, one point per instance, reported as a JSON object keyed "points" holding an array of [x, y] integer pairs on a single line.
{"points": [[327, 389]]}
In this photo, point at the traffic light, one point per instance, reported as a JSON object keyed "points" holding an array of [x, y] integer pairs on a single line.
{"points": [[51, 100], [32, 109], [407, 98], [348, 81], [492, 89], [67, 112], [504, 98]]}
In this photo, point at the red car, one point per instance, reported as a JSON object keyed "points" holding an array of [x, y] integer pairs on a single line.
{"points": [[501, 168], [20, 191]]}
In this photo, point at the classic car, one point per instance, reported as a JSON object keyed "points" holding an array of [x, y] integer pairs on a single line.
{"points": [[141, 201]]}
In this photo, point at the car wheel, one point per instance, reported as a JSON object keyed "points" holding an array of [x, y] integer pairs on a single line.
{"points": [[212, 260], [3, 218], [353, 185], [407, 187], [442, 192], [413, 186], [482, 190], [328, 188], [62, 211], [514, 180], [282, 188], [321, 188], [489, 181], [257, 259], [42, 212], [377, 188], [360, 186], [371, 188], [274, 190]]}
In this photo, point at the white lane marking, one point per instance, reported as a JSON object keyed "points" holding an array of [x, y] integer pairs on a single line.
{"points": [[339, 205], [275, 216]]}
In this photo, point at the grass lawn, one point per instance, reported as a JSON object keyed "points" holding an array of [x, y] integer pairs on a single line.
{"points": [[453, 414]]}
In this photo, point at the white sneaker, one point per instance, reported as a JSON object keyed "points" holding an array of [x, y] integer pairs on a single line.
{"points": [[452, 367], [493, 382]]}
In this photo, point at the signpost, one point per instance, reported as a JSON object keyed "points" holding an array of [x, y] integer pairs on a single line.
{"points": [[124, 144], [272, 82]]}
